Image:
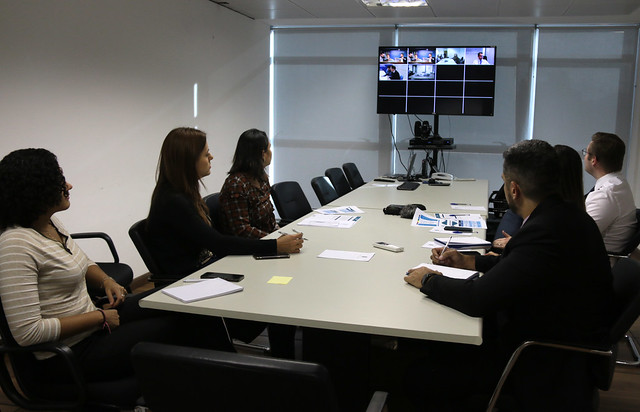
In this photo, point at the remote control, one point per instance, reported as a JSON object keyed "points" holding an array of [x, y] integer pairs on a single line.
{"points": [[386, 246]]}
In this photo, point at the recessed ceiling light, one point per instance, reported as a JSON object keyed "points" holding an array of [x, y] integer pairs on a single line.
{"points": [[395, 3]]}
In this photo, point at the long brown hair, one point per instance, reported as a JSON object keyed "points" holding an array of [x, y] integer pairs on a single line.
{"points": [[570, 176], [177, 166]]}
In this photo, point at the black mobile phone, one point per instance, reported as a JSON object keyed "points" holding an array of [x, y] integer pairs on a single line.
{"points": [[281, 256], [231, 277]]}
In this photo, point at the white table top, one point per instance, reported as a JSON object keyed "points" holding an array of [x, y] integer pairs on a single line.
{"points": [[367, 297], [435, 198]]}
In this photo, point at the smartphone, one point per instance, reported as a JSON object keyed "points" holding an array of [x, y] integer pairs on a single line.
{"points": [[282, 256], [231, 277]]}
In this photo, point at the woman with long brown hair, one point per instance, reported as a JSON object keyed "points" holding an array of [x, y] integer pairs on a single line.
{"points": [[181, 235]]}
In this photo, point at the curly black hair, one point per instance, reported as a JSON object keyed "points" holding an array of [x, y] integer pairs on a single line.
{"points": [[31, 183]]}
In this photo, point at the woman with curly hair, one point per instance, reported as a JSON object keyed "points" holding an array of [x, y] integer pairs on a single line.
{"points": [[44, 276], [245, 198]]}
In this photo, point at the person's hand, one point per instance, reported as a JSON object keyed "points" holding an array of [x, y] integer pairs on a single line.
{"points": [[290, 243], [115, 292], [502, 242], [414, 276], [112, 317], [453, 258]]}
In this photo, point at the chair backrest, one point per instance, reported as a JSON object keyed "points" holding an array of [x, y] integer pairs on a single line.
{"points": [[338, 180], [634, 241], [626, 289], [176, 378], [138, 234], [290, 201], [215, 213], [323, 189], [353, 175]]}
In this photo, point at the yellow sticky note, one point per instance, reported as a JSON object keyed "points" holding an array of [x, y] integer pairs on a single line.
{"points": [[280, 280]]}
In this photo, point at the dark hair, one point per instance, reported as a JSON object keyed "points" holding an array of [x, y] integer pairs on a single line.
{"points": [[533, 164], [177, 165], [31, 183], [248, 155], [609, 149], [570, 176]]}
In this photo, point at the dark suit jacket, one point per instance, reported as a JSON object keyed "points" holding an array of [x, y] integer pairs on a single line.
{"points": [[553, 282]]}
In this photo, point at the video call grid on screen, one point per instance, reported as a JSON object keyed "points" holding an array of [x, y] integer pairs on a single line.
{"points": [[436, 80]]}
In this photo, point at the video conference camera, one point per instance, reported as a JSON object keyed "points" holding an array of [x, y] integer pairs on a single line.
{"points": [[422, 129]]}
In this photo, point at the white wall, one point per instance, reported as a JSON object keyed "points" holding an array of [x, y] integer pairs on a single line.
{"points": [[101, 82]]}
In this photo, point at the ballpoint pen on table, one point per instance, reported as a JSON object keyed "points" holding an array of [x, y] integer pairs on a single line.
{"points": [[445, 247], [460, 204], [284, 233]]}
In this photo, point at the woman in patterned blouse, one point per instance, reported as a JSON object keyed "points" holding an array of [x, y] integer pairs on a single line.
{"points": [[245, 200]]}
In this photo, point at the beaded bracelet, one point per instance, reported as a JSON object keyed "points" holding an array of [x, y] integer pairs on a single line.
{"points": [[105, 324]]}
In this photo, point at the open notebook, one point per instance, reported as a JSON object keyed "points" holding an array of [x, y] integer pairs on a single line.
{"points": [[202, 290]]}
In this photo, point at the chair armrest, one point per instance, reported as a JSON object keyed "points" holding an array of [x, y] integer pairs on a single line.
{"points": [[60, 349], [99, 235], [520, 349], [378, 402]]}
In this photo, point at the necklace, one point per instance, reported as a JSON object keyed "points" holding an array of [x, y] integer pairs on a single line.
{"points": [[52, 233]]}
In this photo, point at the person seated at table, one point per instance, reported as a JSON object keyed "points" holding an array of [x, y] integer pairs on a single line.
{"points": [[181, 236], [549, 284], [44, 276], [571, 189], [245, 198]]}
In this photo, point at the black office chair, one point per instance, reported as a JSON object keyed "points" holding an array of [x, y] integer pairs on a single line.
{"points": [[138, 234], [28, 391], [174, 378], [338, 180], [323, 189], [632, 243], [631, 246], [120, 272], [213, 203], [290, 201], [626, 288], [353, 175]]}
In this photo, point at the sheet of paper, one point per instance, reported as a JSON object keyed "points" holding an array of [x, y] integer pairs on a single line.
{"points": [[342, 210], [338, 221], [280, 280], [468, 207], [449, 272], [346, 255], [462, 241], [202, 290]]}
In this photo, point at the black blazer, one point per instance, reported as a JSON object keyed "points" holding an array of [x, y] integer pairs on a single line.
{"points": [[553, 280]]}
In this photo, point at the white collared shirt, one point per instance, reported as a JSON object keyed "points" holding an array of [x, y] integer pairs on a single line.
{"points": [[612, 207]]}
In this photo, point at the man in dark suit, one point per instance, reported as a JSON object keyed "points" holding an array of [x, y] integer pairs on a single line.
{"points": [[552, 282]]}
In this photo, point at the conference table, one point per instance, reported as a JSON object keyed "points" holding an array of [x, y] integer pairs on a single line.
{"points": [[344, 295], [340, 304]]}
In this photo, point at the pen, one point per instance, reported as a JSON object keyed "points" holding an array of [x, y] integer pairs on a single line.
{"points": [[445, 247], [295, 231], [460, 204], [286, 234]]}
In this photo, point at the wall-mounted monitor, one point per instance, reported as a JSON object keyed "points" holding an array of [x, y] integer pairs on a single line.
{"points": [[437, 80]]}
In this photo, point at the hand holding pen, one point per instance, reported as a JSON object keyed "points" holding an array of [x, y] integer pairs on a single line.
{"points": [[450, 257]]}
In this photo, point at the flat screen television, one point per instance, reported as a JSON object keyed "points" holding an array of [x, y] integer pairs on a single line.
{"points": [[436, 80]]}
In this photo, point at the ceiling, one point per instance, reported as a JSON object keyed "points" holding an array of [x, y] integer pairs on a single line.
{"points": [[318, 12]]}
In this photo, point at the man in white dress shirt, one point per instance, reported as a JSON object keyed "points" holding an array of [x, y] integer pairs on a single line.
{"points": [[611, 202]]}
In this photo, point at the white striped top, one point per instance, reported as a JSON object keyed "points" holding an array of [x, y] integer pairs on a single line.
{"points": [[40, 282]]}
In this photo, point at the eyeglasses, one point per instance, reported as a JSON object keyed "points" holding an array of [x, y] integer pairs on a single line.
{"points": [[584, 152]]}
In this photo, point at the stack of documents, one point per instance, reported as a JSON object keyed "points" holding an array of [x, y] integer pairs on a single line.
{"points": [[339, 221], [441, 220], [202, 290]]}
